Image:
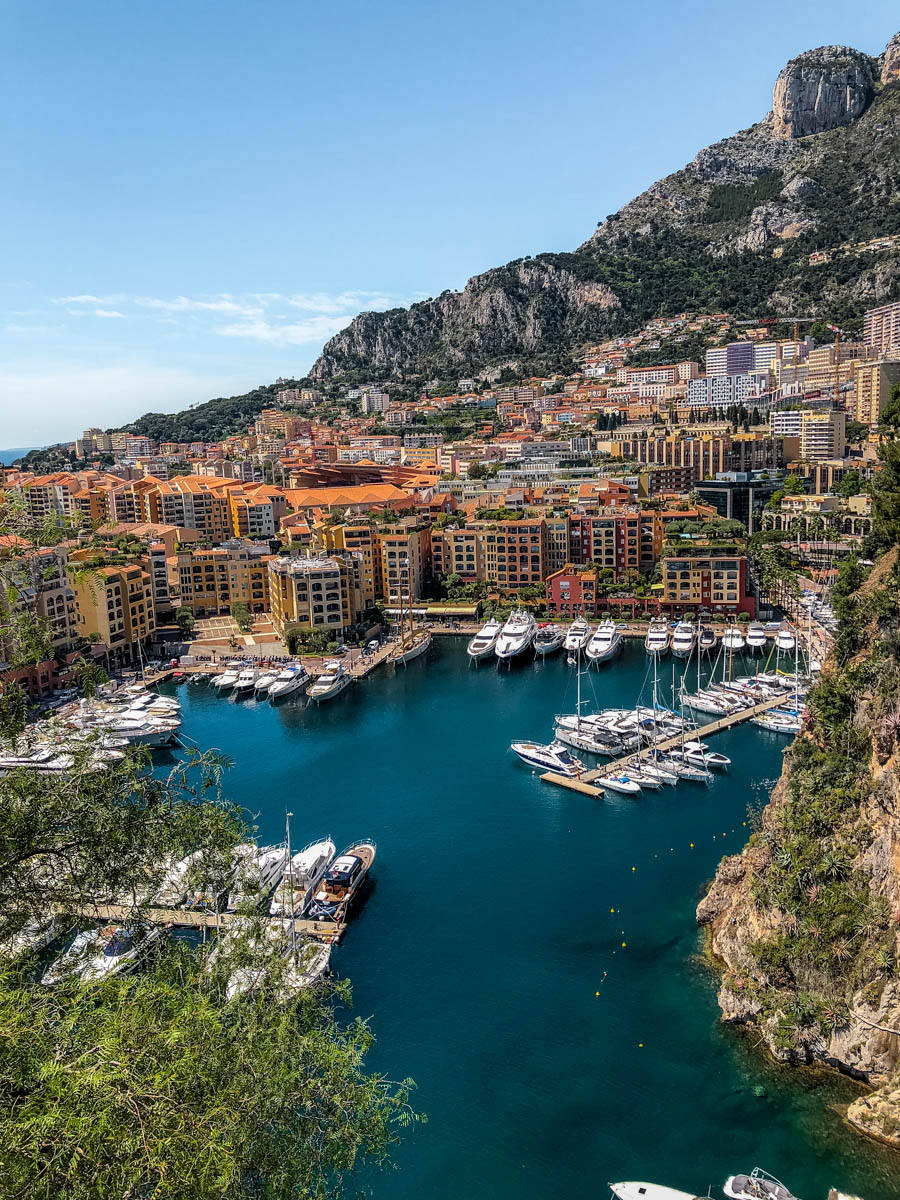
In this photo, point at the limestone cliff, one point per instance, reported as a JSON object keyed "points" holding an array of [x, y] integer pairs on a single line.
{"points": [[733, 229], [806, 921]]}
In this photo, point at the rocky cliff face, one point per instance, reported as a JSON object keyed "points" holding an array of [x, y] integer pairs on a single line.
{"points": [[806, 921], [733, 229], [821, 90]]}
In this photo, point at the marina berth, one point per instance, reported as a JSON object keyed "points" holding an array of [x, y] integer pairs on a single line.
{"points": [[577, 636], [683, 638], [551, 757], [605, 643], [656, 642], [548, 639], [341, 882], [516, 637], [482, 644], [333, 680]]}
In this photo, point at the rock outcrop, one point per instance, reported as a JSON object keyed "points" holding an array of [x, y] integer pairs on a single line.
{"points": [[821, 90], [822, 168]]}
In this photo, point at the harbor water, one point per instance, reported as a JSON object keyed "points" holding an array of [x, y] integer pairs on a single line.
{"points": [[528, 954]]}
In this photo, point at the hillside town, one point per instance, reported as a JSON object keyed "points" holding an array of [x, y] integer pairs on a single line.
{"points": [[626, 489]]}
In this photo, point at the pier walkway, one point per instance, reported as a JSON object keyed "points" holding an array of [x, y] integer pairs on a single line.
{"points": [[585, 782], [323, 931]]}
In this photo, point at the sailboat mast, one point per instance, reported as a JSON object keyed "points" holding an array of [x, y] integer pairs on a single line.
{"points": [[290, 874]]}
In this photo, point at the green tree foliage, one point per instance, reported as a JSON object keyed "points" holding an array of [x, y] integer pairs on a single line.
{"points": [[242, 616], [851, 484], [184, 619], [733, 202]]}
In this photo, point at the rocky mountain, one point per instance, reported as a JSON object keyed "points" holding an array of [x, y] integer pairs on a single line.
{"points": [[732, 230]]}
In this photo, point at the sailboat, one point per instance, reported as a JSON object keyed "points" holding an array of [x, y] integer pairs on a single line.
{"points": [[413, 643]]}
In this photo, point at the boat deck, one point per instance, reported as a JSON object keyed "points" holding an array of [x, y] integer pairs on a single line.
{"points": [[584, 782]]}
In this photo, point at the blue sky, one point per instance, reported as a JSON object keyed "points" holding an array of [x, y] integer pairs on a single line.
{"points": [[197, 194]]}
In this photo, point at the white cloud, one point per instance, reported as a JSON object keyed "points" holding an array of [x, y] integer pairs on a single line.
{"points": [[298, 333], [86, 299], [108, 312], [220, 304]]}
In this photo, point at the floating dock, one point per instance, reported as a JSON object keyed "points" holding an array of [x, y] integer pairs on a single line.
{"points": [[322, 931], [584, 783]]}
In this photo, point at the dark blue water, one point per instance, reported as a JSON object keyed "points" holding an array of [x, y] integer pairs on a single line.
{"points": [[499, 913]]}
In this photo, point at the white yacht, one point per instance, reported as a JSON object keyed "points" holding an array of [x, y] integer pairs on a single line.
{"points": [[756, 637], [758, 1185], [303, 873], [246, 681], [548, 639], [622, 782], [657, 640], [578, 636], [785, 640], [683, 639], [605, 643], [257, 871], [482, 644], [553, 757], [98, 953], [290, 964], [650, 1191], [290, 680], [341, 882], [707, 639], [778, 721], [700, 754], [517, 635], [331, 682], [733, 639], [39, 758], [226, 679], [264, 682]]}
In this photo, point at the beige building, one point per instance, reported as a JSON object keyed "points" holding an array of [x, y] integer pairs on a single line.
{"points": [[362, 541], [881, 328], [317, 592], [874, 382], [210, 581], [114, 605], [822, 434], [405, 558]]}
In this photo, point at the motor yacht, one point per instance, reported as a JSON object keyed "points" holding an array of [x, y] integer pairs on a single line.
{"points": [[554, 757], [299, 881], [758, 1185], [657, 640], [264, 682], [286, 963], [778, 722], [733, 639], [245, 682], [578, 636], [516, 637], [482, 644], [701, 754], [43, 759], [548, 639], [98, 953], [785, 640], [707, 639], [331, 682], [650, 1191], [341, 882], [32, 937], [683, 638], [605, 643], [258, 871], [620, 783], [756, 637], [290, 680], [226, 679]]}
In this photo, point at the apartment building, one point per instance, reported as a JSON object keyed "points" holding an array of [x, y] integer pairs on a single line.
{"points": [[881, 328], [708, 454], [716, 583], [209, 581], [45, 589], [734, 359], [315, 592], [405, 558], [785, 422], [822, 434], [360, 540], [114, 605], [874, 382], [158, 569], [571, 592], [627, 541], [195, 501], [721, 389]]}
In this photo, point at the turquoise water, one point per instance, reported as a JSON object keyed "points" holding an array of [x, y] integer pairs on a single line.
{"points": [[480, 950]]}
